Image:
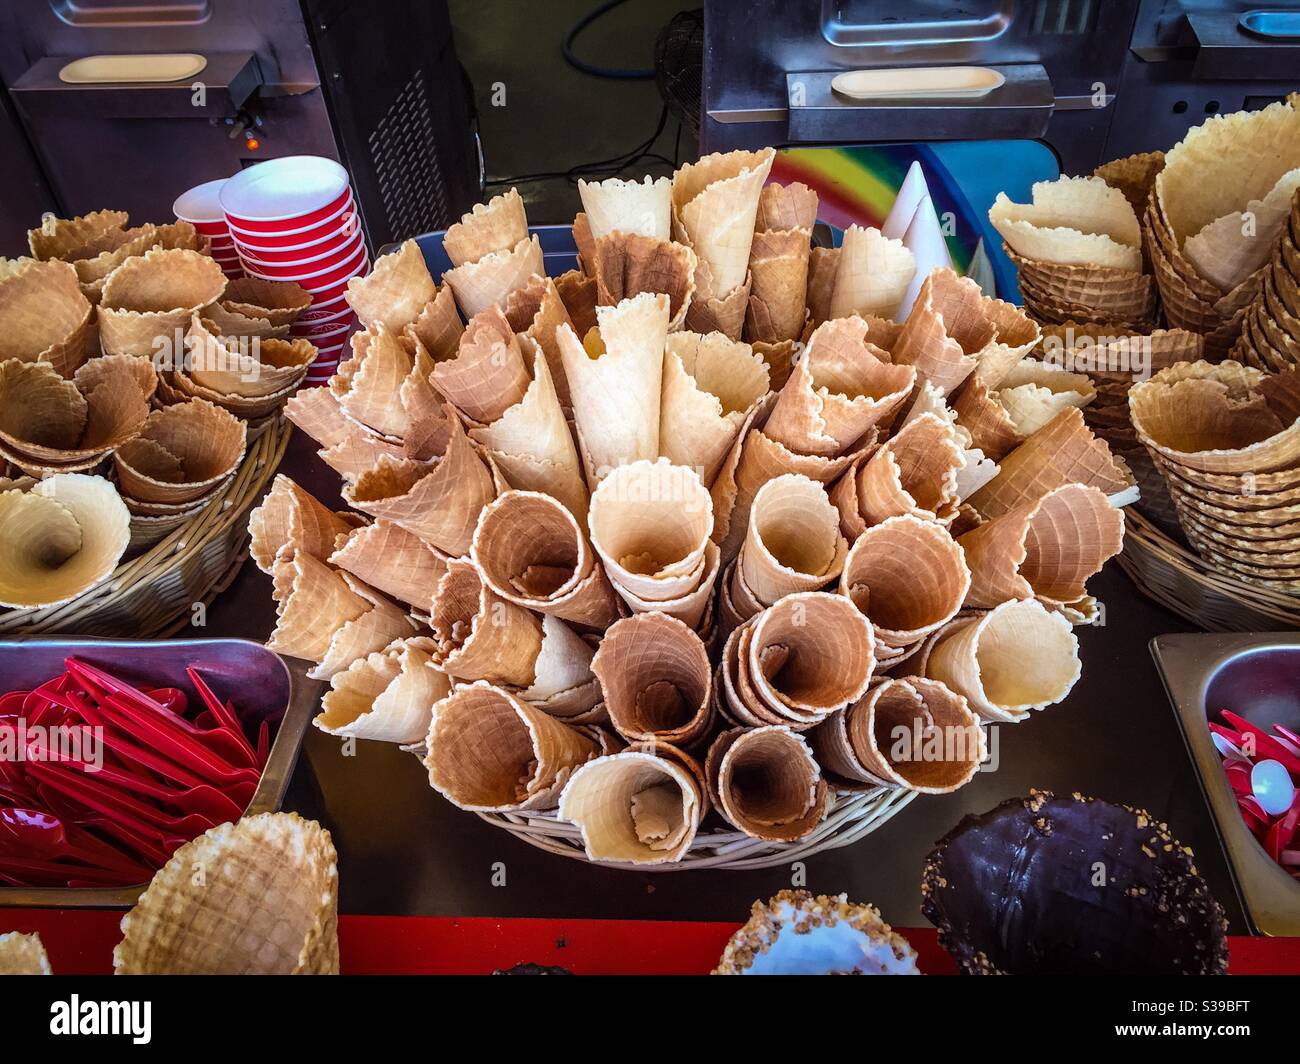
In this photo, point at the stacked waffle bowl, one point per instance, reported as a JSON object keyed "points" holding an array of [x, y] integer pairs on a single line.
{"points": [[691, 556], [140, 415], [1194, 396]]}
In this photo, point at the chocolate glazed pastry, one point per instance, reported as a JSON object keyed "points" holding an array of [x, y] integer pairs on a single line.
{"points": [[1048, 885]]}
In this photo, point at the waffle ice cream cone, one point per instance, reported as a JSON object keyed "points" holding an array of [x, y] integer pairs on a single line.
{"points": [[1078, 221], [626, 264], [991, 426], [491, 279], [1033, 393], [945, 331], [230, 323], [778, 266], [692, 605], [710, 385], [766, 783], [151, 298], [792, 206], [479, 634], [279, 302], [1047, 548], [794, 542], [489, 751], [389, 558], [43, 316], [1007, 662], [438, 326], [201, 446], [312, 602], [489, 374], [914, 473], [1063, 452], [616, 393], [636, 207], [438, 501], [716, 203], [537, 311], [722, 314], [387, 696], [1104, 293], [497, 225], [635, 807], [562, 668], [531, 551], [70, 238], [395, 292], [267, 904], [291, 519], [379, 626], [656, 679], [250, 367], [368, 384], [63, 537], [1133, 175], [871, 275], [908, 577], [578, 294], [1231, 248], [23, 955], [842, 387]]}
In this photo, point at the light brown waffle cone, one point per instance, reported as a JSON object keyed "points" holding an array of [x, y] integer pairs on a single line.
{"points": [[635, 807], [1047, 548], [615, 205], [716, 200], [368, 383], [1133, 175], [429, 424], [530, 550], [1015, 334], [1063, 452], [312, 602], [562, 672], [842, 387], [95, 260], [497, 225], [267, 904], [778, 266], [914, 473], [823, 264], [438, 326], [537, 311], [532, 444], [779, 357], [489, 374], [316, 412], [438, 501], [872, 274], [479, 634], [1072, 221], [395, 291], [1006, 662], [810, 654], [616, 395], [386, 695], [578, 294], [794, 542], [62, 537], [291, 519], [1213, 418], [490, 751], [691, 607], [766, 783], [279, 302], [1233, 248], [656, 679], [151, 298], [1231, 484], [710, 384], [1110, 294], [68, 238], [391, 559], [1033, 393], [908, 577], [939, 722], [478, 285], [649, 523], [43, 316], [792, 206], [230, 323], [945, 331], [244, 366], [358, 453], [725, 314], [23, 954], [380, 626], [627, 264], [206, 443], [990, 426]]}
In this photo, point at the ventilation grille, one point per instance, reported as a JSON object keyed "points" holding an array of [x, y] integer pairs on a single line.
{"points": [[405, 153], [1063, 17]]}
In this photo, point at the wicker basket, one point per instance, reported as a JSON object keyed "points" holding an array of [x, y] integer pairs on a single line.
{"points": [[153, 595], [850, 815], [1178, 579]]}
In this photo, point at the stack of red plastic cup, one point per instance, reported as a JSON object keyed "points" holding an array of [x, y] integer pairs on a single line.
{"points": [[201, 207], [295, 219]]}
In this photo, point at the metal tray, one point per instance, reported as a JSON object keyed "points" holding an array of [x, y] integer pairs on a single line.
{"points": [[270, 688], [1257, 676]]}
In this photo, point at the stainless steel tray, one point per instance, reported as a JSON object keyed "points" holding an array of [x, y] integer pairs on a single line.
{"points": [[270, 688], [1258, 677]]}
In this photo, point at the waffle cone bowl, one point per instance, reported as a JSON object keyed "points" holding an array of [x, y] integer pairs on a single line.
{"points": [[667, 544]]}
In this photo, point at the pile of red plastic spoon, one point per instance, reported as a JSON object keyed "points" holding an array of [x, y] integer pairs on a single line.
{"points": [[101, 780], [1262, 767]]}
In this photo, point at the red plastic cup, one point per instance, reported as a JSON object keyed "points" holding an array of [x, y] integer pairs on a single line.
{"points": [[346, 221], [337, 250], [324, 294], [201, 207], [284, 195], [305, 325], [327, 333], [324, 310], [331, 270]]}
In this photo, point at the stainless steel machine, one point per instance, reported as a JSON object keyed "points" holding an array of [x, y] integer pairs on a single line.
{"points": [[374, 85], [1094, 79]]}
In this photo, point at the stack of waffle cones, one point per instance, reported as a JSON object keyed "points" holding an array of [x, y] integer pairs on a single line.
{"points": [[491, 255], [615, 565], [1270, 330]]}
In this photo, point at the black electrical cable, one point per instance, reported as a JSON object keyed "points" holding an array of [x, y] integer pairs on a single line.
{"points": [[566, 49], [610, 167]]}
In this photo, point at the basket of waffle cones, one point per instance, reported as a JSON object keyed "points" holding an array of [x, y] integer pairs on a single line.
{"points": [[655, 564], [140, 417]]}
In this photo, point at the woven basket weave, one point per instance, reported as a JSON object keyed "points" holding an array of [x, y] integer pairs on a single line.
{"points": [[153, 595], [850, 815]]}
